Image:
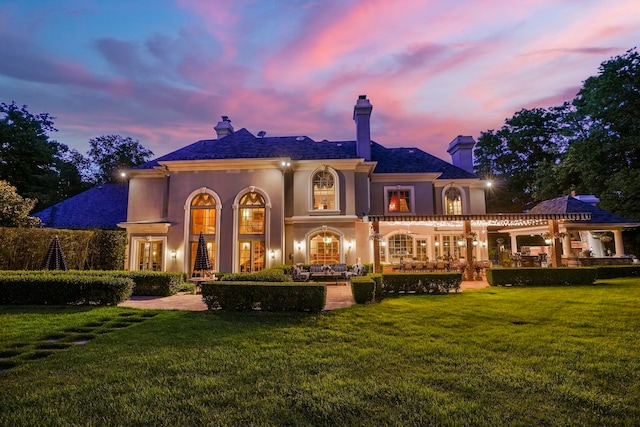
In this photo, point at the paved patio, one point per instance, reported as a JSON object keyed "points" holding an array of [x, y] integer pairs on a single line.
{"points": [[338, 296]]}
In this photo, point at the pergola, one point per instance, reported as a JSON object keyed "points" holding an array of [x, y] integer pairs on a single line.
{"points": [[466, 222]]}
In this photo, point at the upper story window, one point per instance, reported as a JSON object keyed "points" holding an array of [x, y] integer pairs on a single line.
{"points": [[252, 210], [203, 214], [452, 201], [399, 199], [324, 190]]}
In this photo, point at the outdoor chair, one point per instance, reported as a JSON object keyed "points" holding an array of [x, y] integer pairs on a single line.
{"points": [[298, 274]]}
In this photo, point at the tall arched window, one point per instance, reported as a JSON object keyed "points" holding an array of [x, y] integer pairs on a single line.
{"points": [[324, 248], [202, 219], [452, 201], [251, 232], [324, 190]]}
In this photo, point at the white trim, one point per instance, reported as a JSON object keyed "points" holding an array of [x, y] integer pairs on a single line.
{"points": [[187, 228], [336, 192], [134, 252], [235, 267], [463, 198], [320, 230], [412, 199]]}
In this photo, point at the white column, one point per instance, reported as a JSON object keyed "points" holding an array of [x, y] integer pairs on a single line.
{"points": [[566, 245], [514, 242], [617, 237]]}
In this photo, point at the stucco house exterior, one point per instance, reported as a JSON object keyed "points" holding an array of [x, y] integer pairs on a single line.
{"points": [[263, 200]]}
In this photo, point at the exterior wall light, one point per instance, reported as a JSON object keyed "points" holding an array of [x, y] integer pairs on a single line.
{"points": [[273, 254], [174, 254]]}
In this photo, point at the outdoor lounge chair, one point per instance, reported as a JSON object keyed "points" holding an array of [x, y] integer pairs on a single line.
{"points": [[298, 274]]}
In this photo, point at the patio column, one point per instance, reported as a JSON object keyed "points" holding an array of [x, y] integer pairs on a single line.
{"points": [[468, 271], [377, 268], [617, 237], [556, 255], [566, 245], [514, 242]]}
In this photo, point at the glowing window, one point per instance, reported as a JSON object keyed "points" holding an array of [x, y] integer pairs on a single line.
{"points": [[252, 210], [203, 214], [324, 190], [453, 201]]}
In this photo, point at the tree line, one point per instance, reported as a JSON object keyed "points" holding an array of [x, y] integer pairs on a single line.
{"points": [[590, 145], [37, 171]]}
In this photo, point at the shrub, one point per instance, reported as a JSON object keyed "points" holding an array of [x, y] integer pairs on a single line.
{"points": [[363, 289], [541, 276], [420, 283], [614, 271], [155, 283], [267, 275], [264, 296], [377, 278], [62, 289]]}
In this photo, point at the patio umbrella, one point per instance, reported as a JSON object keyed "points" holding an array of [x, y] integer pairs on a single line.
{"points": [[202, 262], [54, 259]]}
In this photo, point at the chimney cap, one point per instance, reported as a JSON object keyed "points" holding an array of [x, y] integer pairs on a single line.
{"points": [[362, 97], [225, 119]]}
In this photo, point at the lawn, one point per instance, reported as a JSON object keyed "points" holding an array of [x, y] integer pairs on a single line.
{"points": [[497, 356]]}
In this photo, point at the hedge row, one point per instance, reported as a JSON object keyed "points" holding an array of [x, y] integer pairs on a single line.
{"points": [[25, 248], [63, 289], [541, 276], [264, 296], [420, 283], [613, 271], [269, 275], [147, 283], [363, 289]]}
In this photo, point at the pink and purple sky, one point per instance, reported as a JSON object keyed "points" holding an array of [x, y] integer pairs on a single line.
{"points": [[164, 71]]}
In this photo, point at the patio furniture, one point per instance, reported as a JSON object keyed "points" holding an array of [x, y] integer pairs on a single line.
{"points": [[298, 274]]}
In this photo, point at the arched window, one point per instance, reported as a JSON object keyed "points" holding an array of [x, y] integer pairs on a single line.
{"points": [[452, 201], [324, 190], [202, 219], [324, 248], [400, 245], [251, 232]]}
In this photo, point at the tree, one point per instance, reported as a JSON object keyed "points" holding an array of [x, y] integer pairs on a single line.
{"points": [[607, 158], [14, 209], [522, 157], [111, 153], [32, 162]]}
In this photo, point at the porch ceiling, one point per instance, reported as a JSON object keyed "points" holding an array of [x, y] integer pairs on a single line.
{"points": [[480, 220]]}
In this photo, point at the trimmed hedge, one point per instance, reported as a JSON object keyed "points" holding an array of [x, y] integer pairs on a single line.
{"points": [[363, 289], [377, 278], [536, 276], [420, 283], [146, 283], [264, 296], [267, 275], [614, 271], [63, 289]]}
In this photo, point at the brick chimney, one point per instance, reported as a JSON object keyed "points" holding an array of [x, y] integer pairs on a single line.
{"points": [[362, 116], [224, 128], [461, 150]]}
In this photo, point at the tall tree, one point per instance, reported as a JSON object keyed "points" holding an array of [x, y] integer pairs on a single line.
{"points": [[607, 157], [29, 160], [521, 157], [14, 209], [111, 153]]}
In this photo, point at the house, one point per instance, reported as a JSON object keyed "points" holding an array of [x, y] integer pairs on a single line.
{"points": [[261, 201], [265, 200]]}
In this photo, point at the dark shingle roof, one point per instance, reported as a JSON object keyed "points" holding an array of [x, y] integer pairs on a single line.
{"points": [[103, 207], [244, 145], [568, 204]]}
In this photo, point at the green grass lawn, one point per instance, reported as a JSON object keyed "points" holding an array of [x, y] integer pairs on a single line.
{"points": [[497, 356]]}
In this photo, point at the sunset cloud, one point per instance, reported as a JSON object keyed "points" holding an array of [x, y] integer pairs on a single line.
{"points": [[432, 69]]}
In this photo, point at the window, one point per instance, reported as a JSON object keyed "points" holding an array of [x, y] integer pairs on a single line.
{"points": [[399, 199], [452, 201], [252, 208], [324, 190], [251, 232], [421, 250], [400, 245], [150, 254], [203, 214], [324, 248], [202, 219]]}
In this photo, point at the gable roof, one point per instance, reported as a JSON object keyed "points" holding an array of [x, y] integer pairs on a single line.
{"points": [[242, 144], [103, 206], [569, 204]]}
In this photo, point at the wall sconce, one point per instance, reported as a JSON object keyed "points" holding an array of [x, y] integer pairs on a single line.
{"points": [[437, 243], [273, 254], [483, 244], [475, 243], [298, 245], [460, 242], [174, 254], [350, 244], [383, 243]]}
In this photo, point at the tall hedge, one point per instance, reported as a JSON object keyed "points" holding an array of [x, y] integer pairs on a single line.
{"points": [[25, 248], [536, 276]]}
